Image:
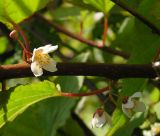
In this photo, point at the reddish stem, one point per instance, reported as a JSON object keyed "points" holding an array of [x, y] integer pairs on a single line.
{"points": [[26, 41], [157, 56], [81, 28], [105, 31], [81, 39], [28, 54], [86, 94]]}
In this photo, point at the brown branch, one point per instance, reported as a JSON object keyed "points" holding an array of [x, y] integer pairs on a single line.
{"points": [[138, 16], [83, 40], [112, 71]]}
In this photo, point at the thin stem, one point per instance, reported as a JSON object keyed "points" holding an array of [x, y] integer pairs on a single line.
{"points": [[26, 41], [138, 16], [105, 31], [28, 54], [83, 40], [81, 28], [157, 56], [112, 99], [86, 94], [24, 55], [85, 129], [3, 85]]}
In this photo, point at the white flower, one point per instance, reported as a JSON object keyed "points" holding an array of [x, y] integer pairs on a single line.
{"points": [[155, 129], [131, 104], [147, 133], [100, 117], [41, 59]]}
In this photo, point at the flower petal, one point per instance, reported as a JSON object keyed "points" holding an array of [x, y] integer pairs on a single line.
{"points": [[147, 133], [139, 107], [156, 64], [51, 66], [129, 104], [127, 112], [155, 129], [99, 121], [33, 56], [137, 95], [49, 48], [36, 69]]}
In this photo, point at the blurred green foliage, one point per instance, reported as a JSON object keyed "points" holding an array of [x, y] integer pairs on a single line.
{"points": [[52, 116]]}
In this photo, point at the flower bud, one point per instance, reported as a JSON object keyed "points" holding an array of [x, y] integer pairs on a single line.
{"points": [[100, 117], [14, 35]]}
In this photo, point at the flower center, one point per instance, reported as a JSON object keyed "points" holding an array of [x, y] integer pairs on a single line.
{"points": [[42, 59], [158, 130]]}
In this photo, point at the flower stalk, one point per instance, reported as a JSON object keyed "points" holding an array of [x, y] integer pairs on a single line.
{"points": [[3, 85], [99, 91], [14, 35], [105, 31], [18, 29]]}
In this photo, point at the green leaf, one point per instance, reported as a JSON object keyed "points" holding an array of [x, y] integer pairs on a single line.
{"points": [[129, 126], [154, 95], [98, 5], [139, 40], [17, 10], [4, 43], [119, 120], [15, 100], [66, 12], [156, 109], [82, 4], [144, 50], [102, 5], [71, 128], [143, 44], [150, 10], [83, 57], [45, 117]]}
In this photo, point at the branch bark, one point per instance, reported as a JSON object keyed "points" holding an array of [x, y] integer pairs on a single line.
{"points": [[112, 71], [83, 40], [138, 16]]}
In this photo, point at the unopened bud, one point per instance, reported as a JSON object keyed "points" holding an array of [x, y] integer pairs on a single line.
{"points": [[14, 35], [100, 117]]}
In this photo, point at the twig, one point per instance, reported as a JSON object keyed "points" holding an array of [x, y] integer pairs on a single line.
{"points": [[112, 71], [105, 31], [83, 40], [94, 92], [137, 15], [26, 41], [85, 129], [3, 85], [92, 86]]}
